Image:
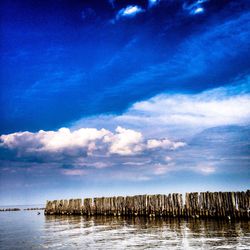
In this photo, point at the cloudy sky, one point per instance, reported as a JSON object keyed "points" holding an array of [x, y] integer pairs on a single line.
{"points": [[119, 97]]}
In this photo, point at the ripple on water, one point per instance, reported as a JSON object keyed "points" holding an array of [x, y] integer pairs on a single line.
{"points": [[21, 230]]}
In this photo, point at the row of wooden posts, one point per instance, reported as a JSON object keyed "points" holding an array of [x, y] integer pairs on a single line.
{"points": [[204, 204]]}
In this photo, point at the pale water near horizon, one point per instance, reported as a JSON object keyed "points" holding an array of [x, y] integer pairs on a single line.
{"points": [[27, 230]]}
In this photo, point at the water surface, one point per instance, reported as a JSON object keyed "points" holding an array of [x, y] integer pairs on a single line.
{"points": [[27, 230]]}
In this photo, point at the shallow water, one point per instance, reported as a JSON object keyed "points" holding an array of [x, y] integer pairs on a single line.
{"points": [[27, 230]]}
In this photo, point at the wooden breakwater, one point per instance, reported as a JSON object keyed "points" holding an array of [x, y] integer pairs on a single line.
{"points": [[196, 205], [9, 209]]}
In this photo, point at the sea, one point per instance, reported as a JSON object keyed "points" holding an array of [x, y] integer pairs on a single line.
{"points": [[30, 230]]}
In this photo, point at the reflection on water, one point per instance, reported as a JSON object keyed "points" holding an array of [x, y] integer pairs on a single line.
{"points": [[140, 233], [26, 230]]}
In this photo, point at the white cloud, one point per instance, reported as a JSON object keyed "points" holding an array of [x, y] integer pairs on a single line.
{"points": [[130, 142], [198, 10], [192, 110], [126, 142], [181, 115], [54, 141], [129, 11], [164, 143], [140, 163], [162, 169], [75, 143], [195, 7], [184, 115]]}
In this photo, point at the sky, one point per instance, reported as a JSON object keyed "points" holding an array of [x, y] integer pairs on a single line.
{"points": [[119, 97]]}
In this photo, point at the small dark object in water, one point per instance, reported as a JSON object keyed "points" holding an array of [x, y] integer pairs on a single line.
{"points": [[38, 213]]}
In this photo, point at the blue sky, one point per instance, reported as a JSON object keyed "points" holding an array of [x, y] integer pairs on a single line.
{"points": [[123, 97]]}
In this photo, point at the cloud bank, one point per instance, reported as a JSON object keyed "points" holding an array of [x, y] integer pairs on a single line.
{"points": [[162, 135], [84, 142], [181, 115]]}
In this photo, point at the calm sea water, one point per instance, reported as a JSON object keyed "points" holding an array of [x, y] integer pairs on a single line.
{"points": [[27, 230]]}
